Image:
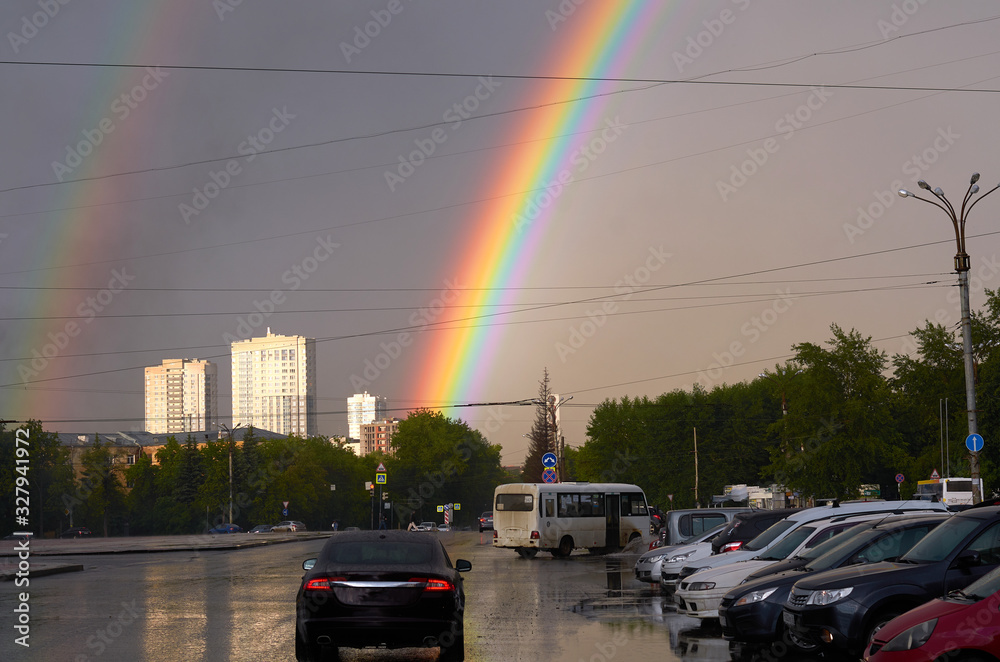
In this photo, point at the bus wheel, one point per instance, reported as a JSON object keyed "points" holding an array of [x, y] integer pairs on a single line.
{"points": [[527, 552], [565, 548]]}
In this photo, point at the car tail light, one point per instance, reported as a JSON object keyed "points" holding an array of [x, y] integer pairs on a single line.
{"points": [[534, 535], [434, 584], [494, 534], [731, 547], [321, 583]]}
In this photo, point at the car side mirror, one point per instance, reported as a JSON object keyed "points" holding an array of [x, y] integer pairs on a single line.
{"points": [[966, 559], [308, 564], [462, 565]]}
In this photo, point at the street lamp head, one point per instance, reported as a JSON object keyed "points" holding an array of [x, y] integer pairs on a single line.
{"points": [[939, 192], [974, 190], [903, 193], [924, 185], [975, 178]]}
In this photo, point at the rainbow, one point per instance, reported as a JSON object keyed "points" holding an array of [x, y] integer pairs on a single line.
{"points": [[503, 241], [141, 32]]}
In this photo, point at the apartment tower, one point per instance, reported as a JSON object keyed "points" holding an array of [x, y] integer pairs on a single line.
{"points": [[274, 384], [182, 395]]}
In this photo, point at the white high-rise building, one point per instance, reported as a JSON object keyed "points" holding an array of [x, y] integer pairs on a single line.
{"points": [[274, 384], [182, 395], [363, 408]]}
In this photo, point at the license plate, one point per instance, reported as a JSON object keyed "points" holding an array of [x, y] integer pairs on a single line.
{"points": [[789, 619]]}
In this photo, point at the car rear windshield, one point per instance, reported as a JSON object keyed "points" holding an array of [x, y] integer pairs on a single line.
{"points": [[769, 536], [846, 538], [939, 543], [522, 502], [380, 552]]}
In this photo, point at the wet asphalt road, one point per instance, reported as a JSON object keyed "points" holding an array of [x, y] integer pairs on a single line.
{"points": [[239, 605]]}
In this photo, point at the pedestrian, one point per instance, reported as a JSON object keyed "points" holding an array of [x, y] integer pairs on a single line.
{"points": [[381, 523], [335, 525], [412, 526]]}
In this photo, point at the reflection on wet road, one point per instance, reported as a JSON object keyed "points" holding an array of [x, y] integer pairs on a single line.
{"points": [[239, 605]]}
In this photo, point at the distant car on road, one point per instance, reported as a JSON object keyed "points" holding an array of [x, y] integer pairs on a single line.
{"points": [[391, 589], [444, 527], [486, 521], [427, 526], [226, 528], [288, 525], [262, 528], [76, 532], [20, 535]]}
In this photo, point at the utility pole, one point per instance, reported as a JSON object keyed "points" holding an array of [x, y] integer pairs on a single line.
{"points": [[697, 502], [962, 265]]}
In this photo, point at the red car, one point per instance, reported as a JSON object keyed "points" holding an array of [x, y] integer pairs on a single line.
{"points": [[964, 625]]}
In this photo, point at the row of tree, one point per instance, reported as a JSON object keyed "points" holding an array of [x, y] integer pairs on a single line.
{"points": [[186, 488], [833, 418]]}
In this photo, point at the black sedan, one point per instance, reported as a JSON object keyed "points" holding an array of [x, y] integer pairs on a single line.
{"points": [[76, 532], [392, 589]]}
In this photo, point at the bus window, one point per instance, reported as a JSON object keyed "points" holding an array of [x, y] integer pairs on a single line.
{"points": [[569, 505], [633, 505], [592, 505], [520, 502], [550, 505]]}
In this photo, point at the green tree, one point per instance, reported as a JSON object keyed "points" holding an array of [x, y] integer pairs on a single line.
{"points": [[541, 435], [101, 483]]}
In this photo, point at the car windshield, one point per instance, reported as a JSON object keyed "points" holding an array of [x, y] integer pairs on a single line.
{"points": [[847, 537], [985, 586], [769, 536], [711, 533], [939, 543], [788, 544]]}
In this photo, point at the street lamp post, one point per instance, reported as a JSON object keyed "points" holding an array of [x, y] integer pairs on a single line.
{"points": [[554, 405], [962, 266], [229, 433]]}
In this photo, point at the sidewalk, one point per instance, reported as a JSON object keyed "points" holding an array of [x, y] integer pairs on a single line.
{"points": [[10, 549]]}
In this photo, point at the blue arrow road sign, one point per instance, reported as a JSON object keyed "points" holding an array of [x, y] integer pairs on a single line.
{"points": [[974, 443], [549, 460]]}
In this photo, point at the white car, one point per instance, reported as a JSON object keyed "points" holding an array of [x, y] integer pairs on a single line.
{"points": [[288, 525], [648, 567], [427, 526]]}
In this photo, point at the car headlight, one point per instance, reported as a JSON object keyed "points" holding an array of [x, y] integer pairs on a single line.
{"points": [[656, 559], [680, 557], [755, 596], [701, 586], [829, 596], [915, 637]]}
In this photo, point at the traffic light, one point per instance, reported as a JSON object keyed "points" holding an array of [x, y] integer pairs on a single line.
{"points": [[385, 496]]}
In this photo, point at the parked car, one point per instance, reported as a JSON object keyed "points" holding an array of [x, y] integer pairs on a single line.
{"points": [[288, 525], [648, 567], [389, 589], [748, 525], [960, 626], [842, 610], [751, 612], [680, 526], [76, 532], [486, 521], [262, 528], [444, 527], [20, 535], [427, 526], [226, 528]]}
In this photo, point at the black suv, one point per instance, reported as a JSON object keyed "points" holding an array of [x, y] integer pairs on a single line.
{"points": [[747, 526], [751, 612], [842, 609]]}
